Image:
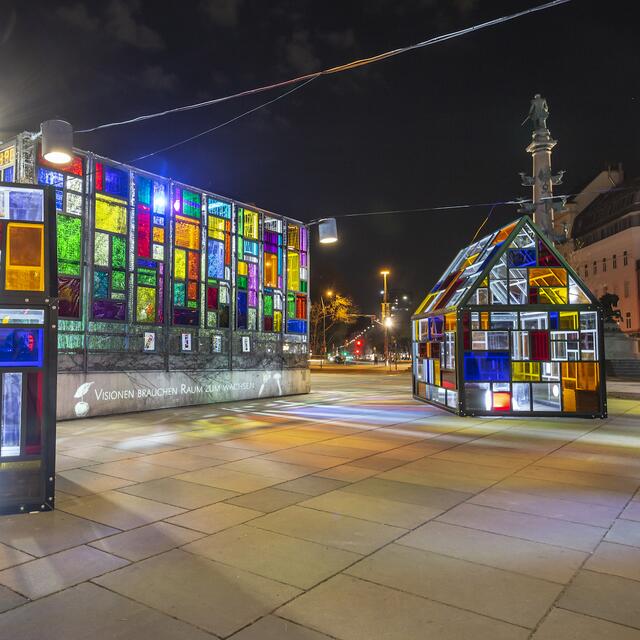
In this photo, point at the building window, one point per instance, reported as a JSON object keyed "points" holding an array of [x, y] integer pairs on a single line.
{"points": [[628, 320], [586, 270], [614, 261], [595, 267], [604, 265], [626, 288], [625, 259]]}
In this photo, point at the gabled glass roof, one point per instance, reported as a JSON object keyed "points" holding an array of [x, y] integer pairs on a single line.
{"points": [[513, 265]]}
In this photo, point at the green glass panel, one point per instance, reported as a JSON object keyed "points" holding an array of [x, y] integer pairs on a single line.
{"points": [[291, 305], [212, 319], [116, 295], [147, 277], [179, 291], [240, 251], [118, 251], [100, 284], [303, 286], [101, 250], [191, 204], [192, 304], [268, 305], [144, 190], [146, 305], [242, 282], [117, 280], [69, 232]]}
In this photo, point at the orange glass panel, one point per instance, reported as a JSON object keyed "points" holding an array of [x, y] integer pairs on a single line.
{"points": [[436, 372], [501, 401], [450, 322], [270, 270], [547, 277], [192, 290], [158, 234], [484, 320], [504, 233], [193, 265], [187, 233], [25, 257]]}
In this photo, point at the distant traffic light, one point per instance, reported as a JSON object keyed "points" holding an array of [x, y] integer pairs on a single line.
{"points": [[358, 343]]}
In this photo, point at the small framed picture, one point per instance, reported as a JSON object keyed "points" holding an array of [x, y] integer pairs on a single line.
{"points": [[246, 344], [149, 341], [217, 344], [186, 342]]}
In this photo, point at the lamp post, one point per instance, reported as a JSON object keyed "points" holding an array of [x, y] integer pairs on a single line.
{"points": [[329, 294], [386, 319]]}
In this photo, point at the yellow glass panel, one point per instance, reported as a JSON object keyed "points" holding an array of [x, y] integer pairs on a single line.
{"points": [[484, 320], [470, 260], [569, 320], [553, 295], [293, 272], [25, 257], [216, 228], [277, 320], [250, 224], [425, 302], [547, 277], [243, 270], [187, 233], [158, 234], [450, 322], [588, 376], [436, 373], [270, 270], [180, 264], [525, 371], [111, 214], [7, 155]]}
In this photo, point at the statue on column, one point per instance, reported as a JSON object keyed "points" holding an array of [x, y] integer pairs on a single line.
{"points": [[538, 113]]}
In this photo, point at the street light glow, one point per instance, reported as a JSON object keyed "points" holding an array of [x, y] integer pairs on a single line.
{"points": [[387, 321], [385, 272]]}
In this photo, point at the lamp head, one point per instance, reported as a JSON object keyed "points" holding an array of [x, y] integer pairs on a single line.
{"points": [[57, 141], [328, 231]]}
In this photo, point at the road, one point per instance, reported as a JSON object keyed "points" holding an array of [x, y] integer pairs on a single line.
{"points": [[354, 513]]}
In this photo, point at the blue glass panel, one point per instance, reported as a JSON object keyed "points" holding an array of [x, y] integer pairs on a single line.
{"points": [[436, 327], [487, 366], [150, 264], [251, 247], [116, 182], [218, 208], [100, 284], [521, 257], [553, 320], [26, 204], [50, 177], [158, 221], [59, 200], [296, 326], [215, 259], [242, 310], [21, 347], [8, 174], [11, 414]]}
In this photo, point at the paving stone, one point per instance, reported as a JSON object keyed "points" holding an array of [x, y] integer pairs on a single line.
{"points": [[574, 626], [624, 532], [299, 563], [632, 511], [227, 479], [44, 576], [207, 594], [312, 485], [40, 534], [616, 559], [8, 600], [179, 493], [351, 609], [182, 460], [147, 541], [571, 535], [514, 598], [314, 460], [621, 485], [269, 468], [414, 475], [81, 482], [219, 452], [215, 517], [119, 510], [343, 532], [267, 500], [347, 472], [10, 557], [274, 628], [134, 470], [604, 596], [89, 611], [99, 453]]}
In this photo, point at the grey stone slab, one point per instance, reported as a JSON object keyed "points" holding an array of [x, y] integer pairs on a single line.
{"points": [[134, 470], [624, 532], [269, 468], [375, 509], [312, 485], [571, 535], [40, 534], [604, 596], [351, 609], [10, 556], [44, 576], [219, 452], [408, 493], [347, 473], [343, 532], [182, 460], [119, 510], [267, 500], [297, 562], [207, 594], [567, 625], [632, 511], [99, 453], [619, 484], [187, 495], [544, 561], [81, 482], [215, 517], [228, 479], [8, 600], [147, 541], [89, 611], [274, 628], [616, 559], [514, 598], [594, 514]]}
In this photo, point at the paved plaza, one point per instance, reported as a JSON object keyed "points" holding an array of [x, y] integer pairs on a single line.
{"points": [[354, 513]]}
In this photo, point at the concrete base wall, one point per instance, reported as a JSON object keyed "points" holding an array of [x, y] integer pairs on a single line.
{"points": [[97, 394]]}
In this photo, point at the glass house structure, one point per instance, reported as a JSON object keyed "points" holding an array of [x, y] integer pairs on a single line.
{"points": [[509, 329]]}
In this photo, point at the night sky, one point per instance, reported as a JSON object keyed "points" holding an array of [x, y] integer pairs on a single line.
{"points": [[432, 127]]}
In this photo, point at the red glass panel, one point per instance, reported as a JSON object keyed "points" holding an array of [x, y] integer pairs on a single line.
{"points": [[193, 265], [268, 323], [545, 257], [539, 345], [301, 307], [466, 331], [144, 232], [212, 297], [99, 176], [501, 401], [192, 290], [34, 414], [533, 295]]}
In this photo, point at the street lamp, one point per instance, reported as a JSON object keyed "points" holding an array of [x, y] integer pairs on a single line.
{"points": [[329, 294], [57, 141], [386, 318]]}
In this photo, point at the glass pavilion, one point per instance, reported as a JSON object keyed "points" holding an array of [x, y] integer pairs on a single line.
{"points": [[509, 329]]}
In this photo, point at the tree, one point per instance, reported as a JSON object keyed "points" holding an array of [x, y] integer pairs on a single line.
{"points": [[609, 302], [327, 316]]}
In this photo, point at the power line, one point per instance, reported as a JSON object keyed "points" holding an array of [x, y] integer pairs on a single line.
{"points": [[344, 67]]}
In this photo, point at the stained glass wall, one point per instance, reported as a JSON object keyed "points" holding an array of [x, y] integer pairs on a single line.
{"points": [[219, 265], [297, 278], [273, 274], [520, 334]]}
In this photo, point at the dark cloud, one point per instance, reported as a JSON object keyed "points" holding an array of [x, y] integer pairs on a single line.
{"points": [[223, 13], [300, 53], [78, 16], [157, 78]]}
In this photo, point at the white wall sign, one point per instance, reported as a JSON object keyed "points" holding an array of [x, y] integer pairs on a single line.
{"points": [[186, 342], [246, 344], [149, 341], [217, 344]]}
